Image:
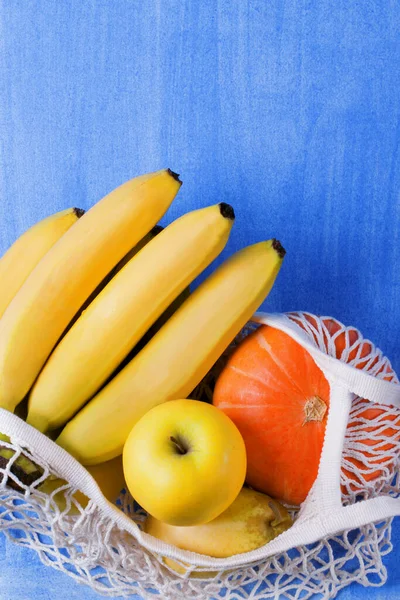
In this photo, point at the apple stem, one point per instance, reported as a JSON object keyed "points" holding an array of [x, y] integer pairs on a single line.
{"points": [[178, 445]]}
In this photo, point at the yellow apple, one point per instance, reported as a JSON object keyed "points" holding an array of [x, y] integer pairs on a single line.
{"points": [[184, 462], [251, 521]]}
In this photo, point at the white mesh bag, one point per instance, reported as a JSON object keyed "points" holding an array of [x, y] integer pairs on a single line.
{"points": [[339, 535]]}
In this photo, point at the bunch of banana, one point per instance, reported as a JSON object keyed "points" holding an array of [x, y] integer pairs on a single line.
{"points": [[69, 272], [47, 278], [92, 295], [126, 308], [23, 255]]}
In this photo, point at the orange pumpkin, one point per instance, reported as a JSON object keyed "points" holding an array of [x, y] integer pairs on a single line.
{"points": [[279, 399], [277, 396]]}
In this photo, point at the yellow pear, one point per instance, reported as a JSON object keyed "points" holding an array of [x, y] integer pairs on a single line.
{"points": [[109, 476], [251, 521]]}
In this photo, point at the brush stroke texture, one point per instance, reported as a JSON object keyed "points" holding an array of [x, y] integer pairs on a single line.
{"points": [[289, 110]]}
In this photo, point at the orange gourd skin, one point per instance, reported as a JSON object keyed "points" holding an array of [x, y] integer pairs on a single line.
{"points": [[266, 389]]}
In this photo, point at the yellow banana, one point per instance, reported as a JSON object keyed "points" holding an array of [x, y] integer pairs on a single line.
{"points": [[15, 267], [145, 240], [68, 274], [23, 256], [167, 314], [123, 312], [178, 356], [132, 252]]}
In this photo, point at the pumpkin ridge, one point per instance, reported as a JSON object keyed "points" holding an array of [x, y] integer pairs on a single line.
{"points": [[231, 409], [262, 342], [314, 384], [223, 405], [249, 375]]}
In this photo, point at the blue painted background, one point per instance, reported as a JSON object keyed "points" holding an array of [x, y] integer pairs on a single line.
{"points": [[289, 110]]}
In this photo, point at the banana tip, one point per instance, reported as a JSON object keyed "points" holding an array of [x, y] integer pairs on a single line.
{"points": [[277, 246], [227, 211], [157, 229], [174, 175], [79, 212]]}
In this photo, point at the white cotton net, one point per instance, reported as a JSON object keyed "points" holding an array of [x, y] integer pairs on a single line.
{"points": [[339, 535]]}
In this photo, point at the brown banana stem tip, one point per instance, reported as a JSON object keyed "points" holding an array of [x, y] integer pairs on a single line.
{"points": [[79, 212], [174, 175], [227, 211], [19, 473], [277, 246]]}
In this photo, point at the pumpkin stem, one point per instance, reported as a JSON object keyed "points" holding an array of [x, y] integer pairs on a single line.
{"points": [[314, 409]]}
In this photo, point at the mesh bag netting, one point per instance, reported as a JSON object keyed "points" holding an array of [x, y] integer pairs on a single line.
{"points": [[339, 535]]}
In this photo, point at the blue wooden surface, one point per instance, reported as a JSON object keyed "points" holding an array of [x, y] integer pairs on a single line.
{"points": [[287, 109]]}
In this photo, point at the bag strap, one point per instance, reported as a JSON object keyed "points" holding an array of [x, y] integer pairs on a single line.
{"points": [[355, 380]]}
